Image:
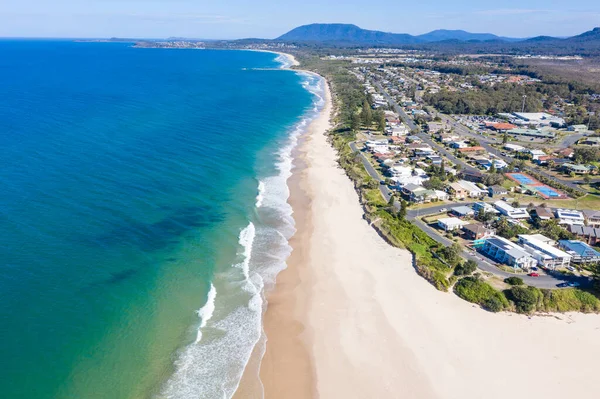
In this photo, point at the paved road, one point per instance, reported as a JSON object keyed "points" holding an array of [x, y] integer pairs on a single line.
{"points": [[414, 215]]}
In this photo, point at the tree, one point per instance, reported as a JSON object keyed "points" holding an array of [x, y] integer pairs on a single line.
{"points": [[587, 179], [366, 114], [380, 119], [451, 254], [355, 122], [505, 138], [402, 211], [492, 169], [465, 269]]}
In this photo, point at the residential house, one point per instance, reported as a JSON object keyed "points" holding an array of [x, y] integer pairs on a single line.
{"points": [[471, 175], [487, 208], [513, 147], [592, 218], [476, 231], [450, 224], [472, 150], [566, 152], [593, 141], [494, 191], [458, 145], [510, 212], [414, 192], [570, 217], [580, 251], [577, 169], [462, 211], [543, 213], [536, 154], [503, 251], [472, 190], [457, 191], [590, 235]]}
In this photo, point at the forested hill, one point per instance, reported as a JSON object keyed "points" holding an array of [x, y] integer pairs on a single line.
{"points": [[449, 41], [352, 34]]}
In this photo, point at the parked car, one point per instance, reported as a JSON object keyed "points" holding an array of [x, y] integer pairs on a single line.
{"points": [[562, 285], [535, 269], [443, 210], [534, 274], [571, 268], [574, 284]]}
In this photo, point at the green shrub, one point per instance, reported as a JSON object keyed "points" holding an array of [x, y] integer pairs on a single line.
{"points": [[514, 280], [465, 269], [526, 299], [477, 291]]}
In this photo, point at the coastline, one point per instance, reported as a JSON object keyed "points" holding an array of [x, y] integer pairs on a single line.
{"points": [[349, 317]]}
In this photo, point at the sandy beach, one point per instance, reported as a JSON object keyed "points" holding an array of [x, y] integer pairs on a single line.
{"points": [[350, 318]]}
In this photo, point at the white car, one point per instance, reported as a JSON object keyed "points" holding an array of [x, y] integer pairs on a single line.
{"points": [[571, 268], [443, 210]]}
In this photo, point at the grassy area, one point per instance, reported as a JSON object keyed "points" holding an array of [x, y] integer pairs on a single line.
{"points": [[589, 201]]}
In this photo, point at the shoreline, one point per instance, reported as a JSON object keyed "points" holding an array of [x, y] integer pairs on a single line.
{"points": [[349, 317]]}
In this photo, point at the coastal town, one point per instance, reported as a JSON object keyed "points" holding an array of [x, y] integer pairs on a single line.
{"points": [[510, 188], [514, 193]]}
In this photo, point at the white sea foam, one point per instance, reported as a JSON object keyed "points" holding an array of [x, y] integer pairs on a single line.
{"points": [[213, 366], [261, 194], [206, 312]]}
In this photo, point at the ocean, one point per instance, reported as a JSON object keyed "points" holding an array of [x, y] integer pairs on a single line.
{"points": [[143, 213]]}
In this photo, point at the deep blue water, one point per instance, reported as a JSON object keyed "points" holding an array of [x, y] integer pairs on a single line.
{"points": [[126, 177]]}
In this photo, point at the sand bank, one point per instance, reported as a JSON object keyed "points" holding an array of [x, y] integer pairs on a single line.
{"points": [[350, 318]]}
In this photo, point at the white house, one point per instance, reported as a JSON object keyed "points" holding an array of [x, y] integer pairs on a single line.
{"points": [[450, 224], [570, 217], [508, 211], [472, 190], [536, 154]]}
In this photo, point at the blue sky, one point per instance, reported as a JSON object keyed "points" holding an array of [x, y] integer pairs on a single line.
{"points": [[229, 19]]}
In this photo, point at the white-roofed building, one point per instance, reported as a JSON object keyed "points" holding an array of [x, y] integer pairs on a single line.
{"points": [[541, 250], [511, 212], [570, 217], [450, 224]]}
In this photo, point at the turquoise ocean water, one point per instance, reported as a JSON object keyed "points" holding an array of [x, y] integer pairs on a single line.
{"points": [[142, 211]]}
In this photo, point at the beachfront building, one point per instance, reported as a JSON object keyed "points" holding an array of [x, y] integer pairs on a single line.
{"points": [[503, 251], [450, 224], [508, 211], [570, 217], [580, 251], [542, 250], [592, 218]]}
